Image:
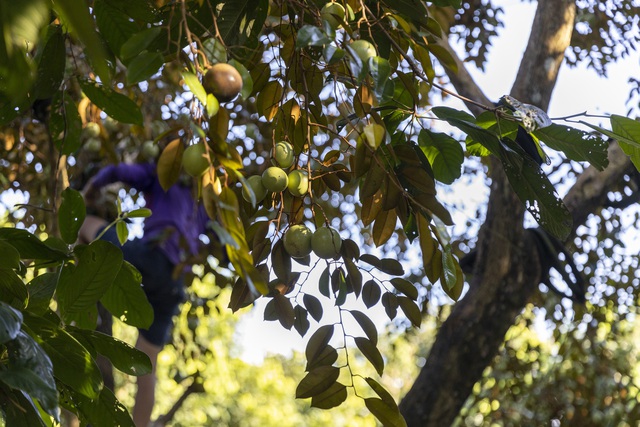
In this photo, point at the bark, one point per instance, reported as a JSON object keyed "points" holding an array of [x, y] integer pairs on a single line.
{"points": [[507, 270]]}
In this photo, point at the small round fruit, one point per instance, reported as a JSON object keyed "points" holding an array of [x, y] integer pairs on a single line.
{"points": [[92, 130], [326, 242], [333, 13], [259, 190], [275, 179], [284, 154], [297, 241], [363, 49], [298, 183], [150, 150], [223, 81], [194, 160], [93, 144]]}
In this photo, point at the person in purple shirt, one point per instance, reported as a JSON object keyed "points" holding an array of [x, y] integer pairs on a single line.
{"points": [[171, 235]]}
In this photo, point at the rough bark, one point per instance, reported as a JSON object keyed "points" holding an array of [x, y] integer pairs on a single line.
{"points": [[506, 271]]}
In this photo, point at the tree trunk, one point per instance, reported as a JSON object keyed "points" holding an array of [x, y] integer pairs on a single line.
{"points": [[507, 270]]}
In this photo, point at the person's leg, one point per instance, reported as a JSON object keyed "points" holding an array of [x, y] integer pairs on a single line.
{"points": [[145, 396], [90, 227]]}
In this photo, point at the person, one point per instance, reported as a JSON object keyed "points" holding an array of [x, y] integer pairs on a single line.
{"points": [[171, 235]]}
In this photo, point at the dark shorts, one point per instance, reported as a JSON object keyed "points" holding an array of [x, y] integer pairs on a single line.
{"points": [[164, 293]]}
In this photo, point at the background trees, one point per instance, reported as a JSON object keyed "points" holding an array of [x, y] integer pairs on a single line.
{"points": [[361, 123]]}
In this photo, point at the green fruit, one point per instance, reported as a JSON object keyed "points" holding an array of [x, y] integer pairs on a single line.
{"points": [[363, 49], [297, 241], [326, 242], [93, 144], [298, 183], [284, 154], [333, 13], [275, 179], [92, 130], [150, 150], [259, 190], [222, 81], [194, 159]]}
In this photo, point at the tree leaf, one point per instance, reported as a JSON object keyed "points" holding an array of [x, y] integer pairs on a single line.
{"points": [[323, 282], [105, 410], [628, 132], [194, 85], [12, 289], [284, 310], [281, 261], [318, 342], [138, 42], [444, 153], [576, 144], [317, 381], [448, 268], [391, 266], [29, 246], [326, 357], [309, 35], [20, 409], [71, 215], [371, 293], [9, 256], [411, 310], [381, 391], [390, 304], [367, 325], [331, 397], [313, 306], [269, 99], [143, 67], [384, 226], [41, 289], [65, 125], [301, 320], [169, 164], [115, 26], [465, 122], [114, 104], [371, 352], [388, 415], [51, 64], [126, 300], [406, 287], [10, 322]]}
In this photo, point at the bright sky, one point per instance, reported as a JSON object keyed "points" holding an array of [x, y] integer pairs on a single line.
{"points": [[577, 90]]}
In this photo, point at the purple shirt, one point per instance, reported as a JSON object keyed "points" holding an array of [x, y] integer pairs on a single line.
{"points": [[176, 221]]}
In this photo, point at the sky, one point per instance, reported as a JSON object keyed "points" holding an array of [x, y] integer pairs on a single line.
{"points": [[578, 89]]}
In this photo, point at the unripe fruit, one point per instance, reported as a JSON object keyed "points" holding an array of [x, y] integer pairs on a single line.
{"points": [[284, 154], [194, 160], [297, 241], [93, 144], [223, 81], [259, 190], [92, 130], [363, 49], [326, 242], [298, 183], [333, 13], [275, 179], [150, 150]]}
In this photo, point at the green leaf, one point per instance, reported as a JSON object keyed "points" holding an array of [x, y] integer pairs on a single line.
{"points": [[318, 342], [71, 215], [76, 16], [628, 132], [449, 268], [12, 289], [284, 310], [65, 125], [389, 416], [536, 191], [326, 357], [380, 71], [382, 392], [103, 411], [122, 231], [411, 310], [10, 322], [390, 304], [139, 213], [126, 300], [114, 104], [371, 293], [317, 381], [313, 306], [29, 246], [125, 358], [138, 42], [331, 397], [115, 26], [371, 352], [444, 153], [81, 287], [194, 85], [143, 67], [21, 378], [170, 164], [9, 256], [301, 322], [41, 289], [19, 409], [466, 123], [323, 282], [240, 22], [51, 65], [309, 35], [367, 325], [576, 144], [406, 287]]}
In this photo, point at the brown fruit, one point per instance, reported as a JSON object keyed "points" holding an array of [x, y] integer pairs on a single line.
{"points": [[222, 81]]}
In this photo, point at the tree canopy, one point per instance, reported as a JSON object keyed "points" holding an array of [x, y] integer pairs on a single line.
{"points": [[317, 177]]}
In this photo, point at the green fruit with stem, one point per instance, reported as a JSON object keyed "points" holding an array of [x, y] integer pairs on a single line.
{"points": [[275, 179], [92, 130], [259, 190], [364, 50], [297, 241], [150, 150], [333, 13], [326, 242], [93, 144], [298, 183], [284, 154], [194, 159]]}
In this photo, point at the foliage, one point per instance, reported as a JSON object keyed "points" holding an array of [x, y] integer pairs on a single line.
{"points": [[360, 126]]}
